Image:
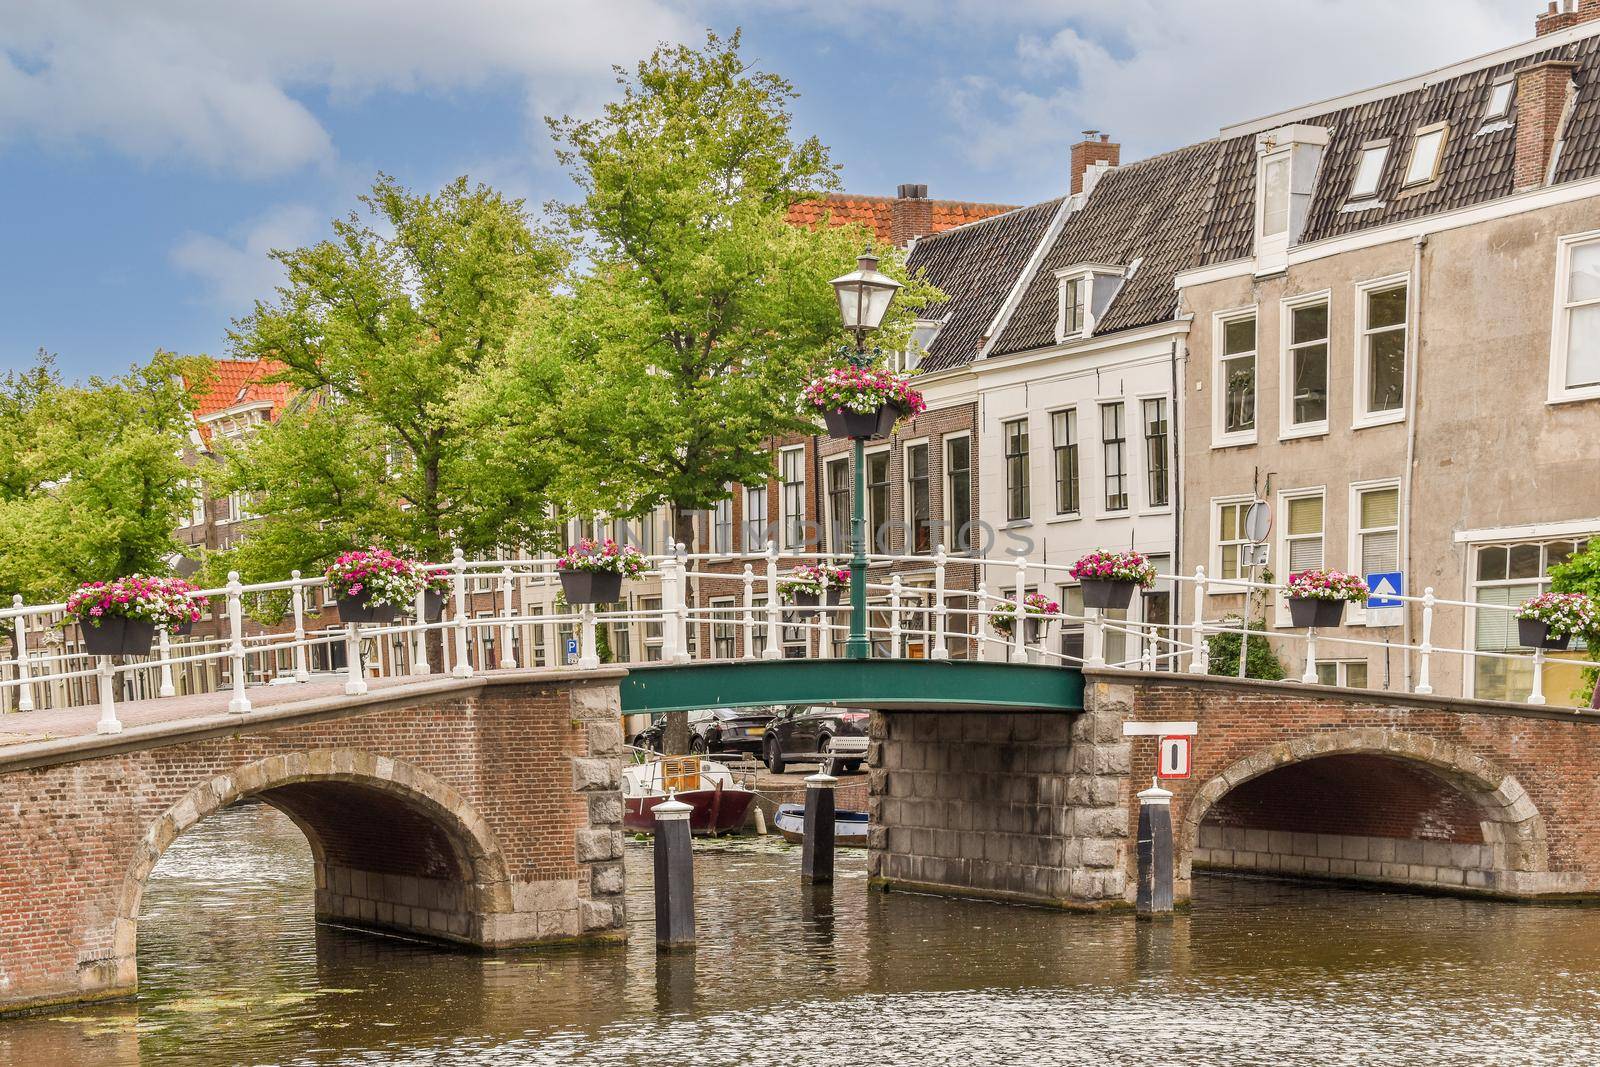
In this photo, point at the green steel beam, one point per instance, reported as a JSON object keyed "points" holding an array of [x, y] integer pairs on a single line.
{"points": [[898, 683]]}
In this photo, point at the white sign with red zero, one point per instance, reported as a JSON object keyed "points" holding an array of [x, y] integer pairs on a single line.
{"points": [[1172, 754]]}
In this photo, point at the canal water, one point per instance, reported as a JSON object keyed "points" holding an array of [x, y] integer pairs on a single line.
{"points": [[234, 971]]}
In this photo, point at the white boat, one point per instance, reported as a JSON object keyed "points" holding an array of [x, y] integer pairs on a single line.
{"points": [[849, 827]]}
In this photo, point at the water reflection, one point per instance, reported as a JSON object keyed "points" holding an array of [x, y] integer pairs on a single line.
{"points": [[234, 970]]}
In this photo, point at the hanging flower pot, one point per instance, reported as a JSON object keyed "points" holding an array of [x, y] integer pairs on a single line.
{"points": [[1532, 633], [1551, 620], [120, 636], [373, 585], [592, 571], [435, 594], [1037, 616], [1317, 598], [121, 617], [1108, 579], [1306, 612], [863, 404], [809, 585]]}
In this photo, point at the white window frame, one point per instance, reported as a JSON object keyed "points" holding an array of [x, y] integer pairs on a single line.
{"points": [[1559, 392], [787, 523], [953, 523], [1068, 417], [1219, 389], [831, 522], [723, 509], [1147, 508], [1509, 84], [1281, 538], [1288, 429], [1362, 418], [1380, 150], [759, 522], [1341, 672], [1064, 330], [1214, 541], [1443, 130], [1105, 507], [867, 456], [1356, 614], [906, 517]]}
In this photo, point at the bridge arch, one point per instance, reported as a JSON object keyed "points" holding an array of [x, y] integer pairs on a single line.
{"points": [[394, 847], [1490, 831]]}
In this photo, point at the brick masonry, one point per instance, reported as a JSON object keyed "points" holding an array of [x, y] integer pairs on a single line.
{"points": [[487, 813]]}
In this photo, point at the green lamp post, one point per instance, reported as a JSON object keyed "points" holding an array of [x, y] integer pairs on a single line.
{"points": [[864, 298]]}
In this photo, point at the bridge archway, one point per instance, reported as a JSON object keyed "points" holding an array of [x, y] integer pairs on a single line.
{"points": [[394, 847], [1372, 805]]}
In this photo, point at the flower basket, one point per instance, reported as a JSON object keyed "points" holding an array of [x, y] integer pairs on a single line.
{"points": [[1551, 620], [1037, 610], [121, 617], [373, 585], [435, 594], [1317, 598], [1306, 612], [1108, 579], [120, 636], [860, 403], [361, 607], [592, 571]]}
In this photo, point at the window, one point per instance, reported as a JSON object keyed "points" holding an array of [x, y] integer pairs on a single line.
{"points": [[1113, 439], [648, 539], [919, 498], [1378, 530], [653, 637], [1064, 436], [878, 502], [1157, 602], [1499, 103], [1504, 576], [1369, 168], [755, 518], [1071, 324], [1155, 452], [1236, 371], [1426, 151], [722, 526], [1576, 350], [1349, 673], [792, 477], [1231, 539], [230, 508], [958, 491], [1083, 292], [1015, 434], [1381, 372], [723, 628], [1307, 375], [1275, 196], [838, 471], [1302, 533], [197, 504]]}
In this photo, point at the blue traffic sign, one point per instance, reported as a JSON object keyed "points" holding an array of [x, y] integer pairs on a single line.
{"points": [[1385, 587]]}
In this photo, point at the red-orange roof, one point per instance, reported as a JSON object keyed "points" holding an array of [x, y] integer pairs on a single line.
{"points": [[238, 381], [875, 212]]}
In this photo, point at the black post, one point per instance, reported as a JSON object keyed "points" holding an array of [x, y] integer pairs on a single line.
{"points": [[1154, 898], [674, 873], [816, 851]]}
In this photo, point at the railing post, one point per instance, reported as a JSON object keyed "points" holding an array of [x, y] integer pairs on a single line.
{"points": [[1309, 675], [894, 617], [302, 670], [355, 679], [682, 619], [749, 612], [1199, 654], [458, 565], [1537, 695], [419, 647], [980, 629], [774, 649], [508, 655], [164, 652], [20, 632], [240, 703], [669, 605], [941, 650], [824, 630], [588, 651], [1094, 637], [108, 724], [1425, 660], [1019, 628]]}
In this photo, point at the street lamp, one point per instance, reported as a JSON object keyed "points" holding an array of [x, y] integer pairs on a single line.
{"points": [[864, 297]]}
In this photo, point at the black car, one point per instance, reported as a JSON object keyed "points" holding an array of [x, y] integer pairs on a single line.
{"points": [[713, 730], [802, 733]]}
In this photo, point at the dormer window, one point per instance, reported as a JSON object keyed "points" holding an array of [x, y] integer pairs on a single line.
{"points": [[1083, 293], [1286, 170], [1369, 169], [923, 332], [1499, 104], [1426, 151]]}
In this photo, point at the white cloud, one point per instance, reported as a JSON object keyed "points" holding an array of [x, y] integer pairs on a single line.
{"points": [[237, 271], [217, 83]]}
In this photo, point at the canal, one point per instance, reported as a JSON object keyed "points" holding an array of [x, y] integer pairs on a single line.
{"points": [[233, 970]]}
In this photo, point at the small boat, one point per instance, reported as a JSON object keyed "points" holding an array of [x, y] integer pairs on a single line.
{"points": [[849, 827], [720, 801]]}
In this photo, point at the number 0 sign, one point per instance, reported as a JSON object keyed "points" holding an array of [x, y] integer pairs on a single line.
{"points": [[1173, 756]]}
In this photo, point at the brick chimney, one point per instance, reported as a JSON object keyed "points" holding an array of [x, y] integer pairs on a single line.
{"points": [[911, 214], [1542, 92], [1566, 13], [1097, 147]]}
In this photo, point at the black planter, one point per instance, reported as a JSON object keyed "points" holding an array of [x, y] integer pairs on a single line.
{"points": [[1035, 630], [1103, 593], [359, 608], [1532, 633], [591, 587], [183, 629], [1309, 611], [119, 636], [867, 426], [432, 606]]}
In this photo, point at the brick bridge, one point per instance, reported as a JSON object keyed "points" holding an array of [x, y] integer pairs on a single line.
{"points": [[481, 811]]}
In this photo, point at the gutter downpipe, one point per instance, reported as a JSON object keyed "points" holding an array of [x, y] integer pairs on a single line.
{"points": [[1177, 474], [1414, 364]]}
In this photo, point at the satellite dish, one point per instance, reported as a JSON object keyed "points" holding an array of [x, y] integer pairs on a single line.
{"points": [[1258, 521]]}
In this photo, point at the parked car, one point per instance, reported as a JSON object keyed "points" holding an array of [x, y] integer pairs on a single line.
{"points": [[815, 734], [714, 730]]}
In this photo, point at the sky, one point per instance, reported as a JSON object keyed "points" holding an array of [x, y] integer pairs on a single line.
{"points": [[153, 153]]}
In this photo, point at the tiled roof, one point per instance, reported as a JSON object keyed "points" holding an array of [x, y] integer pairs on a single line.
{"points": [[239, 381], [875, 212], [1148, 211], [1476, 166], [975, 266]]}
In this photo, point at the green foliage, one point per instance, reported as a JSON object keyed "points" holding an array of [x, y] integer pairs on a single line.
{"points": [[1260, 661], [381, 326], [91, 483], [1581, 574]]}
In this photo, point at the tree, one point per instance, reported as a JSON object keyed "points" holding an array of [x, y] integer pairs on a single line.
{"points": [[1581, 574], [381, 326], [91, 483]]}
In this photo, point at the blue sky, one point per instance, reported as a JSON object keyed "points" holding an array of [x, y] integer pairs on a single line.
{"points": [[152, 153]]}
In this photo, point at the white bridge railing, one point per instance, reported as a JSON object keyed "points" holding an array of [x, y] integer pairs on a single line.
{"points": [[931, 619]]}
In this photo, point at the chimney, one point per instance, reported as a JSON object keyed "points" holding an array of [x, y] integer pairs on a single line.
{"points": [[1542, 92], [1565, 13], [1097, 147], [911, 215]]}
